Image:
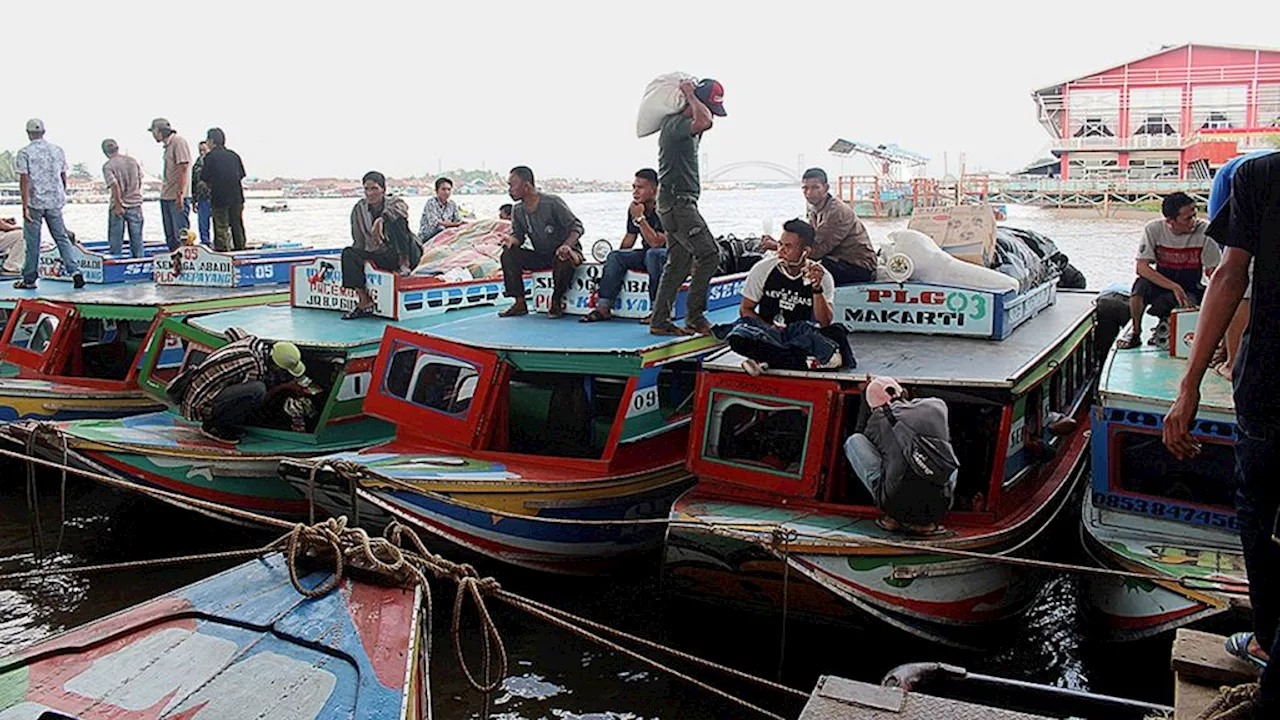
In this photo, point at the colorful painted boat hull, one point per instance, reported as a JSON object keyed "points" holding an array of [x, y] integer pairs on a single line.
{"points": [[201, 266], [483, 507], [30, 399], [241, 644]]}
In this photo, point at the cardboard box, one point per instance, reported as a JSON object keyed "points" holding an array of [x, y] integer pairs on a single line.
{"points": [[968, 232]]}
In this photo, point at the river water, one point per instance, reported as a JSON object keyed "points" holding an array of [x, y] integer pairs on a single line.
{"points": [[552, 674]]}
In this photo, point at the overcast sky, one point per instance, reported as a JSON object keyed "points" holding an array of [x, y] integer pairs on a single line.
{"points": [[322, 89]]}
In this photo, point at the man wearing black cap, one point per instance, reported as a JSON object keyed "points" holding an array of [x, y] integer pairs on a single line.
{"points": [[1249, 227], [691, 243]]}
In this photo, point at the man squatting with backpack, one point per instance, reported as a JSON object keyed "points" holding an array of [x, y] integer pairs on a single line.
{"points": [[901, 450]]}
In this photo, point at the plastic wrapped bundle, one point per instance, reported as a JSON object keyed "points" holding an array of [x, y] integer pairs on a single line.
{"points": [[474, 248]]}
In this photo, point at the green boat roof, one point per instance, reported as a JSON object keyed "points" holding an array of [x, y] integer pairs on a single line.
{"points": [[1150, 377], [141, 300], [313, 327], [954, 361]]}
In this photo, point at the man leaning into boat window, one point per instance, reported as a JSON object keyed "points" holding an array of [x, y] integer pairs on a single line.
{"points": [[380, 235], [902, 453], [785, 320], [229, 387], [642, 222], [1173, 257], [841, 242], [440, 212], [553, 230]]}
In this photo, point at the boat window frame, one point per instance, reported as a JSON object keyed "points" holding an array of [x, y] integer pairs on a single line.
{"points": [[53, 357]]}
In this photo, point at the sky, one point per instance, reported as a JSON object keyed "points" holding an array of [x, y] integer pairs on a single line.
{"points": [[314, 89]]}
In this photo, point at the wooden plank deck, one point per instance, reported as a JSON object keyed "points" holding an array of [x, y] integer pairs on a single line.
{"points": [[835, 698], [1201, 665]]}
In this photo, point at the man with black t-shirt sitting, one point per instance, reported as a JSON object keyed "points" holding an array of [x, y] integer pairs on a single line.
{"points": [[786, 311]]}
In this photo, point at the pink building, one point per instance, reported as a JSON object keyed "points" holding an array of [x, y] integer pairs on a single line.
{"points": [[1177, 114]]}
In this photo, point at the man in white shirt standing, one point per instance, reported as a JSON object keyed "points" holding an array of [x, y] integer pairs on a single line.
{"points": [[42, 172]]}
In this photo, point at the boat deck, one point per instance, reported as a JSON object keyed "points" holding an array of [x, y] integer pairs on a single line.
{"points": [[536, 332], [835, 698], [1151, 376], [313, 327], [140, 293], [939, 360]]}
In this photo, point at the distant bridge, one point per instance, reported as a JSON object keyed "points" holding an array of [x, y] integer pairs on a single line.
{"points": [[790, 174]]}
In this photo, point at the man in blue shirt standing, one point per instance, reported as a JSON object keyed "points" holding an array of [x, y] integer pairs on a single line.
{"points": [[42, 171]]}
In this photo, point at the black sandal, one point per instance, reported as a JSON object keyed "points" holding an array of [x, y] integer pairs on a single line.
{"points": [[23, 285], [595, 316], [1129, 342], [356, 313]]}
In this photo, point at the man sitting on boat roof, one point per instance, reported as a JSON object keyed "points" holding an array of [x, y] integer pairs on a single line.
{"points": [[553, 230], [1173, 257], [841, 242], [380, 234], [786, 313], [901, 451], [231, 384], [642, 220]]}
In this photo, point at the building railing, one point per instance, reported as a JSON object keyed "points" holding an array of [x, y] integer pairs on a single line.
{"points": [[1092, 185], [1135, 142]]}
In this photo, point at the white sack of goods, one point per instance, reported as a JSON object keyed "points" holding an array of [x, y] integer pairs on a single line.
{"points": [[931, 264], [661, 98]]}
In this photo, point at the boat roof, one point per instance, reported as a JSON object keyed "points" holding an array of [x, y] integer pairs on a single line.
{"points": [[956, 361], [312, 327], [135, 293], [538, 333], [1151, 376]]}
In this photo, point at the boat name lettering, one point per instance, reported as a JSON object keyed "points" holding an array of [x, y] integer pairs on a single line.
{"points": [[904, 317], [1155, 508], [974, 304], [480, 294], [726, 290]]}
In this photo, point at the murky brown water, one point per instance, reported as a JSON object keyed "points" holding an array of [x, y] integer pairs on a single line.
{"points": [[552, 674]]}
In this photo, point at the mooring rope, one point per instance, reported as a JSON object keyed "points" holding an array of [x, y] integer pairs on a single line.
{"points": [[1233, 703]]}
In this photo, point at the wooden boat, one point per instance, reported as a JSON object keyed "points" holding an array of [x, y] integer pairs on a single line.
{"points": [[549, 444], [778, 512], [1150, 512], [275, 206], [76, 353], [241, 644]]}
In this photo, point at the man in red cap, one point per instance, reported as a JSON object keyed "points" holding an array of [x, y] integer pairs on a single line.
{"points": [[690, 243]]}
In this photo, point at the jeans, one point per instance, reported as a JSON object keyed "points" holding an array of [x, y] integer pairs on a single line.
{"points": [[204, 219], [619, 262], [689, 244], [866, 462], [844, 273], [787, 348], [175, 222], [1257, 500], [116, 224], [31, 235], [228, 228]]}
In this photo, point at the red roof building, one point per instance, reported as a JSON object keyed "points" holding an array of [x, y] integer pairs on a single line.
{"points": [[1177, 114]]}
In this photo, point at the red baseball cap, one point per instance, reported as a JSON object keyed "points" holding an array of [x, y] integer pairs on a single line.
{"points": [[711, 93]]}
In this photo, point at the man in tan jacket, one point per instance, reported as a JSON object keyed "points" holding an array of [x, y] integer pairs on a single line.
{"points": [[841, 244]]}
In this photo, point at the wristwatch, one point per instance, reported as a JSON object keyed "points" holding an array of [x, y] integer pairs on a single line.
{"points": [[817, 290]]}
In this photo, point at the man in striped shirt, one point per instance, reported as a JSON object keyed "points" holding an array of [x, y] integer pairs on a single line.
{"points": [[224, 390]]}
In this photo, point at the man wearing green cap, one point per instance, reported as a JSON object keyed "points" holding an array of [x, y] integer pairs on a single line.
{"points": [[225, 390]]}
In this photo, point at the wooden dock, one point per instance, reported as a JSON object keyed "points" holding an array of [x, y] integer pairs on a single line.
{"points": [[835, 698], [1200, 666]]}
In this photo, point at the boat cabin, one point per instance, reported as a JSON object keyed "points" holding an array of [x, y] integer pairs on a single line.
{"points": [[595, 397], [778, 438], [93, 339], [1133, 472]]}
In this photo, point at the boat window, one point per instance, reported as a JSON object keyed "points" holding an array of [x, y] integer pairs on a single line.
{"points": [[561, 414], [108, 347], [676, 385], [1143, 465], [176, 352], [433, 380], [34, 331], [4, 319], [757, 433]]}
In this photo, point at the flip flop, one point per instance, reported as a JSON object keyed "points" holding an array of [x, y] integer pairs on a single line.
{"points": [[645, 320], [358, 312], [1238, 646], [556, 311], [595, 316], [513, 311], [20, 285], [1128, 342], [667, 330], [700, 328]]}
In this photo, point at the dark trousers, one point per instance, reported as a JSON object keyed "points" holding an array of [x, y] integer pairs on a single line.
{"points": [[1257, 500], [517, 260], [354, 258], [690, 245], [845, 273], [1160, 302], [234, 406], [229, 218]]}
